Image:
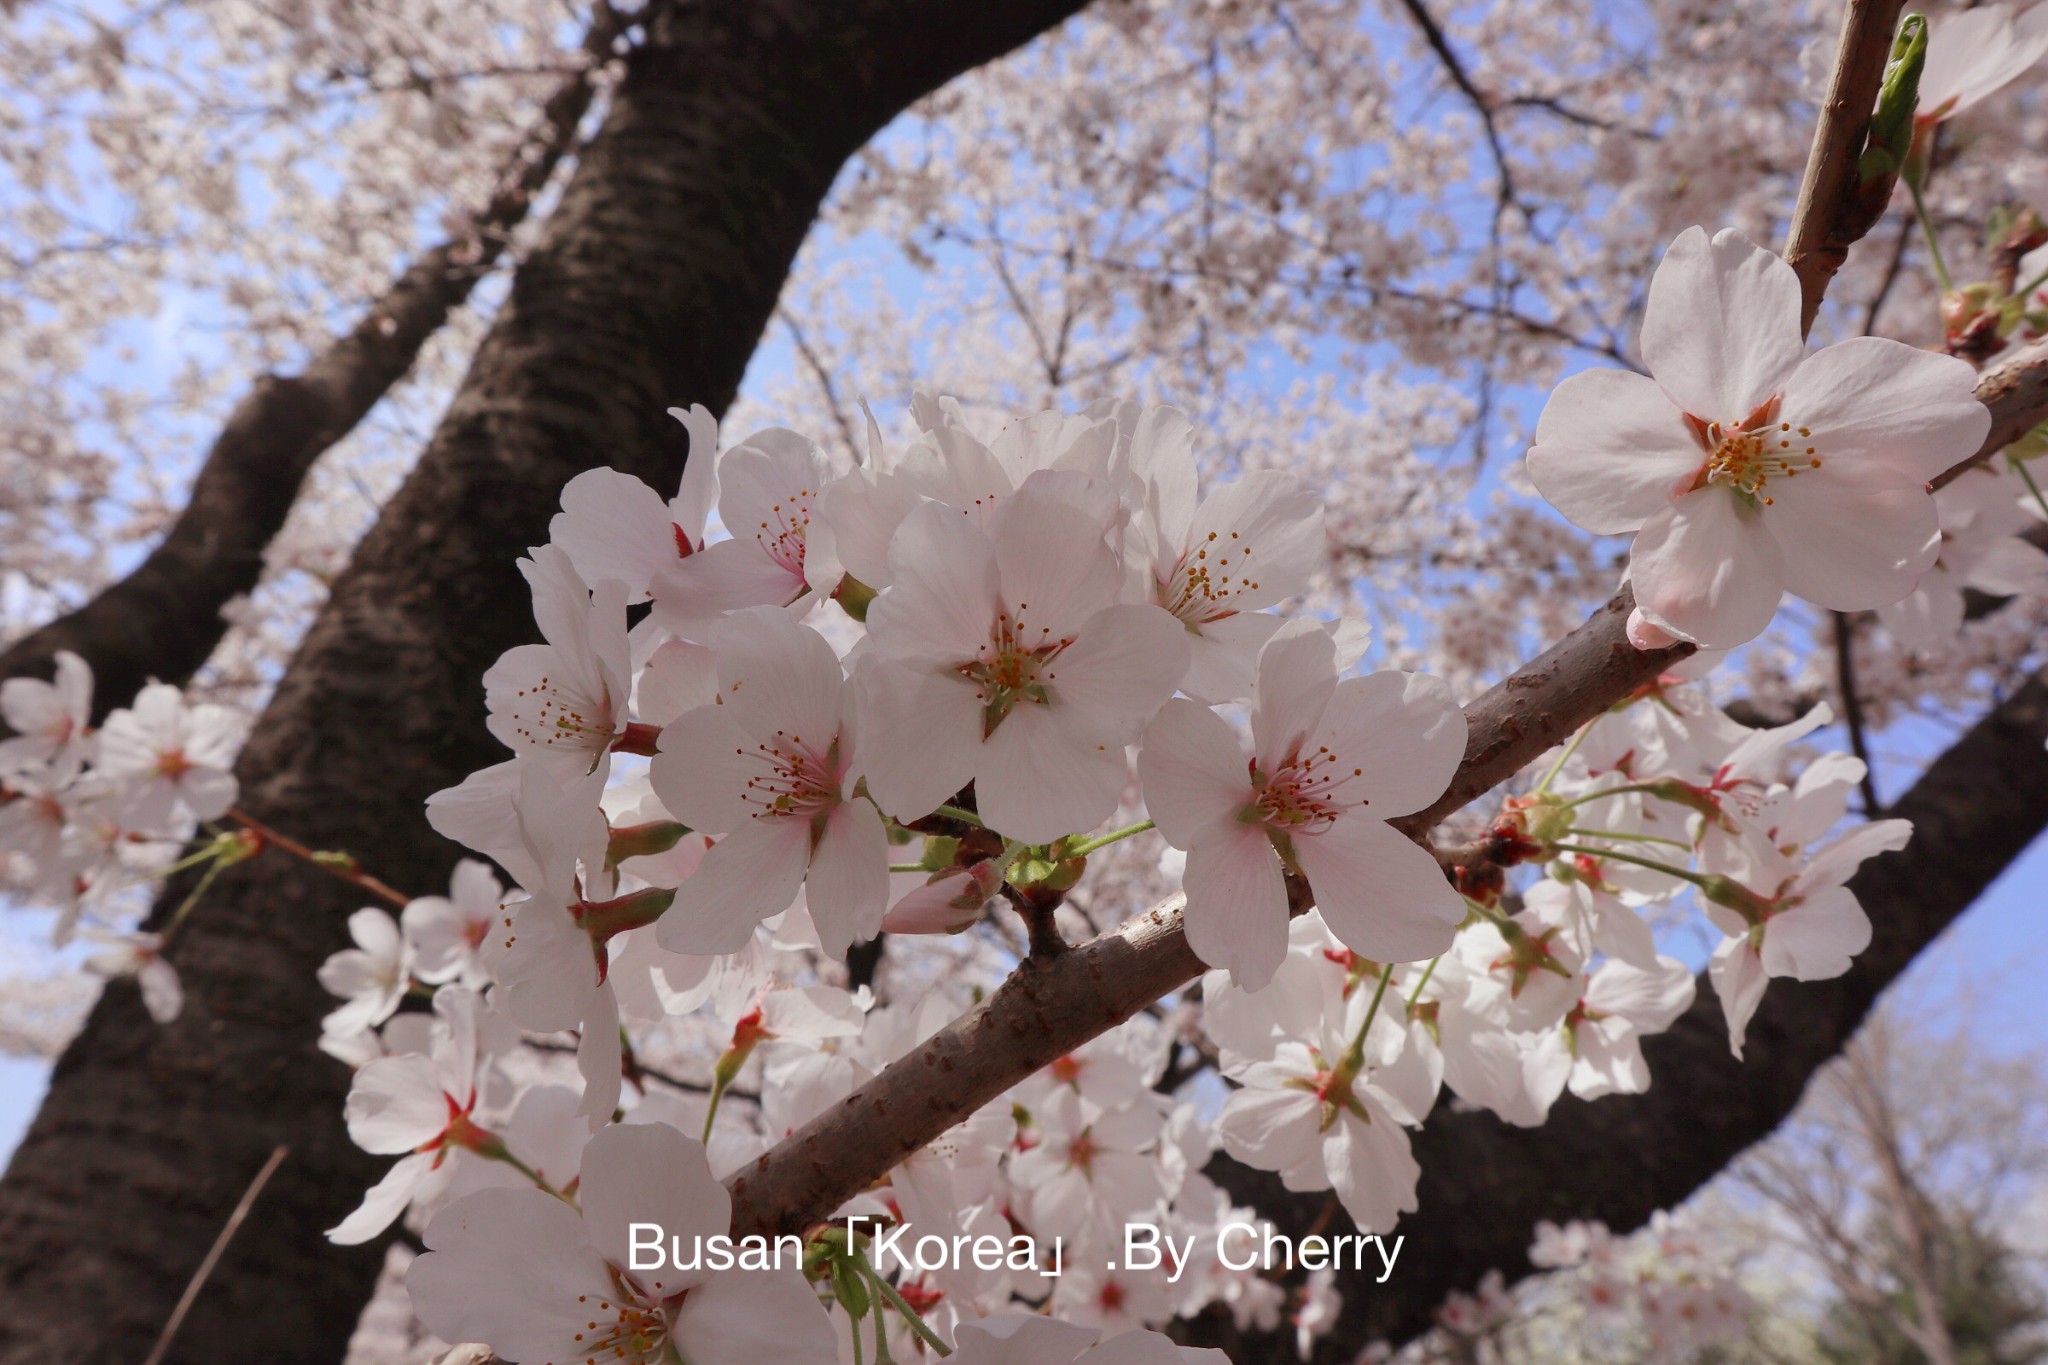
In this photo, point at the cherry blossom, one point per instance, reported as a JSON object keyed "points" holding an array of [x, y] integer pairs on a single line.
{"points": [[165, 756], [1747, 469], [139, 955], [564, 701], [1003, 658], [771, 767], [538, 1280], [49, 719], [1972, 54], [615, 528], [446, 932], [1331, 761], [372, 976]]}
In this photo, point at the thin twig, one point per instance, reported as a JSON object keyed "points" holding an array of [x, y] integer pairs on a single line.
{"points": [[1852, 707], [329, 864], [213, 1255]]}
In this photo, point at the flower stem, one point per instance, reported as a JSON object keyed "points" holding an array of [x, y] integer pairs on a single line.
{"points": [[1695, 878], [1354, 1056], [185, 908], [1639, 838], [908, 867], [1933, 242], [1624, 790], [2032, 487], [896, 1301], [965, 817], [1569, 750], [340, 865], [1087, 846], [718, 1083]]}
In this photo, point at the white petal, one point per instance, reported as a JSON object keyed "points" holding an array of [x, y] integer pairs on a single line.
{"points": [[1611, 450], [745, 877], [1126, 662], [1383, 896], [614, 527], [1039, 776], [1372, 1170], [1873, 399], [1269, 1129], [1263, 537], [748, 1317], [1721, 325], [383, 1203], [777, 677], [1816, 939], [1706, 570], [702, 767], [1297, 674], [1403, 729], [848, 883], [1193, 771], [920, 736], [1739, 980], [395, 1104], [1055, 566], [1236, 912], [1853, 545], [1223, 656], [943, 602], [649, 1173], [506, 1267]]}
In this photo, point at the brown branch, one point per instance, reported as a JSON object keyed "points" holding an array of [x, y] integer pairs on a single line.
{"points": [[2016, 391], [164, 618], [220, 1244], [1826, 222], [1852, 707]]}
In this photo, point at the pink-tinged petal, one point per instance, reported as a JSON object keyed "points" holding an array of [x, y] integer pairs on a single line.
{"points": [[748, 1317], [612, 526], [1021, 1339], [1056, 567], [2011, 567], [863, 511], [1851, 544], [1403, 730], [1871, 399], [1297, 674], [1611, 451], [1381, 895], [745, 877], [691, 594], [600, 1058], [1721, 326], [1037, 778], [1223, 656], [701, 770], [1236, 913], [650, 1173], [1816, 939], [1837, 860], [778, 678], [848, 884], [1193, 770], [697, 494], [1738, 976], [1649, 998], [920, 736], [1270, 1129], [679, 677], [1705, 569], [384, 1202], [1260, 539], [1113, 678], [1372, 1170], [506, 1267], [945, 595], [395, 1105]]}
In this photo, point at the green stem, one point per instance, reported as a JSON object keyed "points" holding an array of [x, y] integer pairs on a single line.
{"points": [[718, 1084], [1695, 878], [1354, 1056], [184, 909], [1603, 793], [965, 817], [909, 867], [1640, 838], [1569, 750], [897, 1302], [2032, 487], [1088, 846], [2031, 285], [1427, 973], [1933, 242]]}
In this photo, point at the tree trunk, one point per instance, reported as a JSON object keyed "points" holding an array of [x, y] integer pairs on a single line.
{"points": [[651, 287]]}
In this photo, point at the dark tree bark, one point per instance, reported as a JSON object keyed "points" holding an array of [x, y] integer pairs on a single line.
{"points": [[1486, 1184], [164, 618], [651, 287]]}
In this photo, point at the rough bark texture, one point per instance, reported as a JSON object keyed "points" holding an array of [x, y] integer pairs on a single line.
{"points": [[1485, 1184], [163, 619], [650, 288]]}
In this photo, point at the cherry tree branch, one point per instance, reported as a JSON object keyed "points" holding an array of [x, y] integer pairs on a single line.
{"points": [[1825, 225], [164, 618], [2016, 391]]}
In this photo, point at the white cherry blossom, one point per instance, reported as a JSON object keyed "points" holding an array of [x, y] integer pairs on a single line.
{"points": [[1003, 658], [372, 976], [564, 701], [163, 756], [1746, 468], [614, 527], [49, 719], [1331, 762]]}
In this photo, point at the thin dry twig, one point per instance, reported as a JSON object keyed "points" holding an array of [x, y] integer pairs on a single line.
{"points": [[213, 1255]]}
